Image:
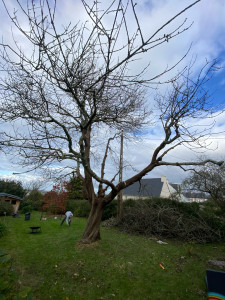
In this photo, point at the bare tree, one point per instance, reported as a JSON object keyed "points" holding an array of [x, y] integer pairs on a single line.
{"points": [[208, 179], [77, 82]]}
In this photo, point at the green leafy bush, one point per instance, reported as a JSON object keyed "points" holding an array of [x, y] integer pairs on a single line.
{"points": [[211, 208], [27, 208], [5, 207], [129, 203], [34, 198], [80, 208], [110, 210]]}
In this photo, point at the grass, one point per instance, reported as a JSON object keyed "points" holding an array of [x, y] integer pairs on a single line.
{"points": [[55, 266]]}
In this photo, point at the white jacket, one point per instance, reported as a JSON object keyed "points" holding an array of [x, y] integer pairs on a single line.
{"points": [[68, 215]]}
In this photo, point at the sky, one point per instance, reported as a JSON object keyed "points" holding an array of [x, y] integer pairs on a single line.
{"points": [[206, 36]]}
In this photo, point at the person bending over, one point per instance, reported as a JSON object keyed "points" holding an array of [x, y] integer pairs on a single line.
{"points": [[68, 217]]}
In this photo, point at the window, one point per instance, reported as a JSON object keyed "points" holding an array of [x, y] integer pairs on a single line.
{"points": [[13, 202]]}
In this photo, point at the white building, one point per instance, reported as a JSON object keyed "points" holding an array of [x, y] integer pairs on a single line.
{"points": [[153, 187]]}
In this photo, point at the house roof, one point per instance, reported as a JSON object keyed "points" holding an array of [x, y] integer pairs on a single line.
{"points": [[175, 186], [11, 196], [195, 195], [145, 187]]}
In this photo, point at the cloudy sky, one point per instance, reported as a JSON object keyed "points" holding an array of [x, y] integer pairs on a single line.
{"points": [[206, 37]]}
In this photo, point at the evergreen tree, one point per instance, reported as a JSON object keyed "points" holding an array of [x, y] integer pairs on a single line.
{"points": [[75, 189], [12, 187]]}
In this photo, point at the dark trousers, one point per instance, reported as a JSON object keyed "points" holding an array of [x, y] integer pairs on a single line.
{"points": [[63, 220]]}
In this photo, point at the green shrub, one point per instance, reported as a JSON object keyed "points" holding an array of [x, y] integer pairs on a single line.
{"points": [[3, 229], [34, 198], [215, 222], [37, 205], [26, 209], [110, 210], [129, 203], [71, 205], [26, 206], [83, 208], [211, 208], [5, 207], [80, 208]]}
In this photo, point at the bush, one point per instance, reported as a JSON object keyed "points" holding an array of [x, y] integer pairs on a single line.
{"points": [[37, 205], [211, 208], [34, 198], [80, 208], [129, 203], [54, 201], [112, 222], [110, 210], [26, 206], [26, 209], [171, 219], [5, 207], [3, 229]]}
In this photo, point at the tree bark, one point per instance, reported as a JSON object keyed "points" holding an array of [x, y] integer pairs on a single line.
{"points": [[92, 230]]}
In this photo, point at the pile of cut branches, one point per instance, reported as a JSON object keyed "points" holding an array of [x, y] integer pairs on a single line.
{"points": [[171, 219]]}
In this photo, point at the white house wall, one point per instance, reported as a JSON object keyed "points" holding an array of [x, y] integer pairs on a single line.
{"points": [[167, 189]]}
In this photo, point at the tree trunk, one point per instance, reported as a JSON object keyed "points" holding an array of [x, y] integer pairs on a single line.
{"points": [[92, 230]]}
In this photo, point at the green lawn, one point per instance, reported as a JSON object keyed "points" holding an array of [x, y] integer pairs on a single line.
{"points": [[55, 266]]}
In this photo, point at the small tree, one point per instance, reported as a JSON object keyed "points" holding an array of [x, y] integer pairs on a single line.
{"points": [[35, 198], [55, 200], [209, 179]]}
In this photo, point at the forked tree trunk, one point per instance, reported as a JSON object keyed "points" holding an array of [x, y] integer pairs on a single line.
{"points": [[92, 230]]}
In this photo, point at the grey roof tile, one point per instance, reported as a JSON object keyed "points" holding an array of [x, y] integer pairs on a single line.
{"points": [[145, 187], [9, 195]]}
